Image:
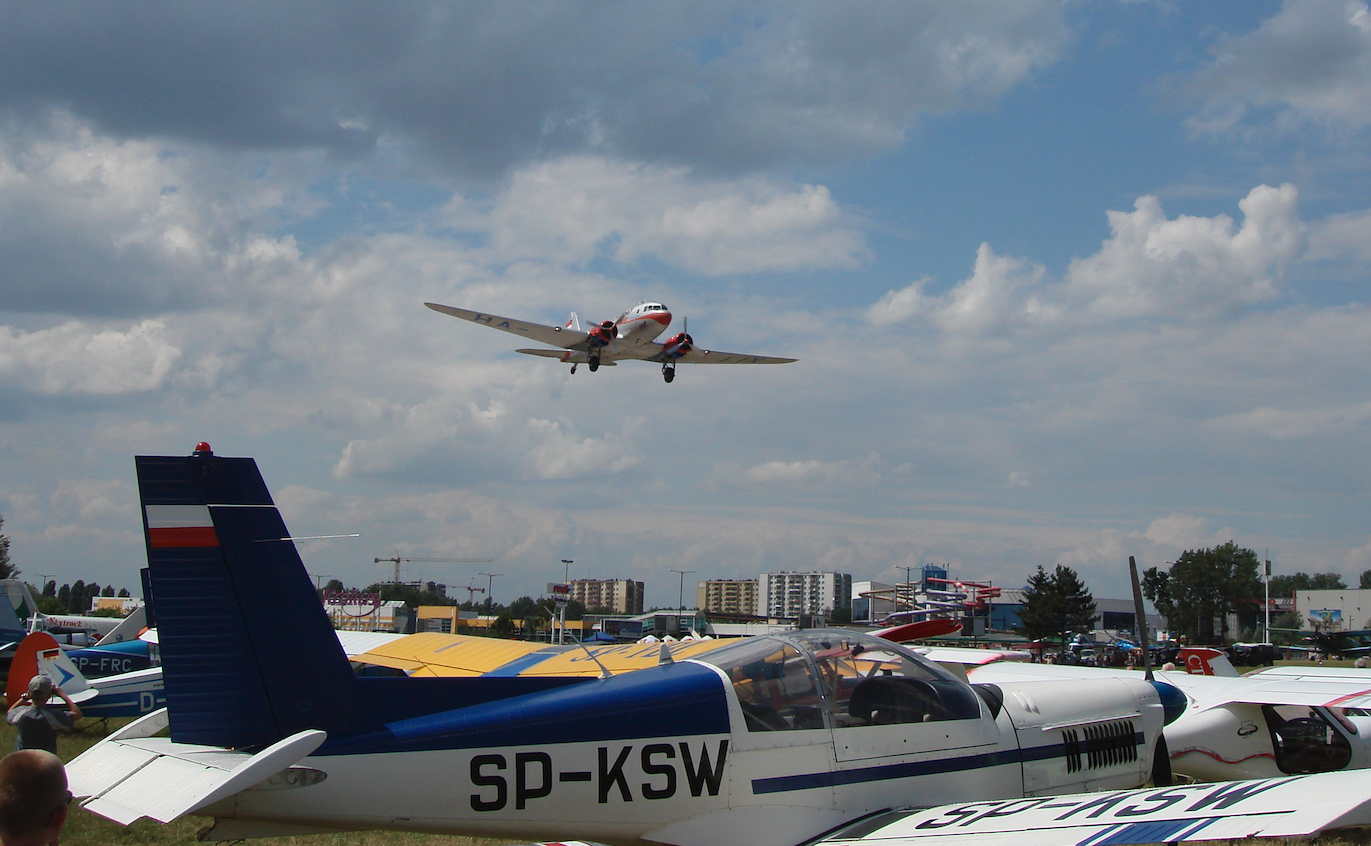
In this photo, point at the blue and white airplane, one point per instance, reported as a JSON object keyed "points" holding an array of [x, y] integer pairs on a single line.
{"points": [[772, 741]]}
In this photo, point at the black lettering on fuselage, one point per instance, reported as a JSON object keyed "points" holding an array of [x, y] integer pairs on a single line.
{"points": [[610, 776], [650, 769], [705, 775], [495, 781], [522, 790]]}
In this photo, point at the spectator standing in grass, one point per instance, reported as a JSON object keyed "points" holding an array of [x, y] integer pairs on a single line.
{"points": [[35, 723], [33, 798]]}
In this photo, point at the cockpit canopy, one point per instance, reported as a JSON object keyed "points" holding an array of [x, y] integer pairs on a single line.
{"points": [[823, 678]]}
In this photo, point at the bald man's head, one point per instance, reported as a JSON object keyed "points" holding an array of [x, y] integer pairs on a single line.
{"points": [[33, 798]]}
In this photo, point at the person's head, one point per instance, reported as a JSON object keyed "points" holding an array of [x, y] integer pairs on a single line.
{"points": [[33, 798], [40, 689]]}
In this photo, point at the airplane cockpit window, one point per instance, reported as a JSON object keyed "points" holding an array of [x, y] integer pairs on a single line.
{"points": [[862, 681], [870, 681], [774, 683], [1304, 741]]}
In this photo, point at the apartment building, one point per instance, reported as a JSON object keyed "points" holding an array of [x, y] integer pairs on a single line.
{"points": [[622, 596], [787, 594], [727, 596]]}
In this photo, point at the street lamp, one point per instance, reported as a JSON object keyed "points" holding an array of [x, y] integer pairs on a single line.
{"points": [[680, 594], [566, 574], [490, 580]]}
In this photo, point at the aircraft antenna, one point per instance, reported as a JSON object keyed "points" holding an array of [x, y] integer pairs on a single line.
{"points": [[604, 671], [1140, 619]]}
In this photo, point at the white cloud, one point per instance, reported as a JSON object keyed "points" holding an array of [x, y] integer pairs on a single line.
{"points": [[1154, 266], [1281, 423], [1309, 63], [572, 210], [1184, 531], [805, 472], [74, 358], [1150, 267]]}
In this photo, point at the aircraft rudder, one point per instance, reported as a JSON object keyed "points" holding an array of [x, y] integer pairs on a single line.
{"points": [[249, 655]]}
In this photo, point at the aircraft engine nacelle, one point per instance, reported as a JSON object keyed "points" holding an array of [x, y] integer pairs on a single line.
{"points": [[678, 345], [601, 334], [1085, 734]]}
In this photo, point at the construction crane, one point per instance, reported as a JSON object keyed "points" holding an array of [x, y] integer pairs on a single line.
{"points": [[397, 559], [471, 593]]}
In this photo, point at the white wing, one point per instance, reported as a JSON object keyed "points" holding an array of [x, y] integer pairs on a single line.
{"points": [[557, 336], [1297, 806]]}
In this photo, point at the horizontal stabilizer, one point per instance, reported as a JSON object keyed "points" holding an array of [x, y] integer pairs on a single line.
{"points": [[123, 777], [570, 356]]}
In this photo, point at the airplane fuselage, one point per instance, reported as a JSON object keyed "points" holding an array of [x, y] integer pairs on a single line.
{"points": [[680, 752]]}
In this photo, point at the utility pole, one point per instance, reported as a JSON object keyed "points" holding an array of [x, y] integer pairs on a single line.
{"points": [[1267, 631], [909, 589], [46, 577], [566, 580], [490, 594], [680, 594], [317, 577]]}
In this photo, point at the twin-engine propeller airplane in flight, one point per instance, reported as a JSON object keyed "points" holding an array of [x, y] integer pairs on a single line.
{"points": [[770, 741], [630, 338]]}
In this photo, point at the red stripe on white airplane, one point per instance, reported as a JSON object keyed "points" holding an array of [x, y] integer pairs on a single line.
{"points": [[180, 527]]}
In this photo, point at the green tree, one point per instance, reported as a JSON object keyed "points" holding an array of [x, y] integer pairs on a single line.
{"points": [[1287, 585], [7, 570], [1056, 605], [1204, 585], [1285, 628], [1365, 579]]}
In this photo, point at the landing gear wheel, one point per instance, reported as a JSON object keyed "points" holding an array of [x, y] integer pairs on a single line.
{"points": [[573, 370], [594, 363], [668, 372]]}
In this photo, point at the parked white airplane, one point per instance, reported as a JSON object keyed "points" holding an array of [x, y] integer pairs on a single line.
{"points": [[630, 338], [1262, 725], [772, 741]]}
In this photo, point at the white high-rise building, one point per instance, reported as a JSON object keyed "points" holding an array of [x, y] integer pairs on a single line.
{"points": [[788, 594]]}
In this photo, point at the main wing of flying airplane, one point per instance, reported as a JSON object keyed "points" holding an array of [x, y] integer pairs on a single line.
{"points": [[772, 741], [630, 338]]}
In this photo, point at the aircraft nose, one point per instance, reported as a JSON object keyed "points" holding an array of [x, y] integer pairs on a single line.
{"points": [[1173, 700]]}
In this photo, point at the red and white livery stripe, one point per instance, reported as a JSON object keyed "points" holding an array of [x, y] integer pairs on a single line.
{"points": [[180, 526]]}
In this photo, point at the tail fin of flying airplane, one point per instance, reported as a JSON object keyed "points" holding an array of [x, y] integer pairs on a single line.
{"points": [[573, 323], [248, 654]]}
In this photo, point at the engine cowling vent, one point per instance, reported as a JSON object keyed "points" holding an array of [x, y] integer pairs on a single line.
{"points": [[1099, 746]]}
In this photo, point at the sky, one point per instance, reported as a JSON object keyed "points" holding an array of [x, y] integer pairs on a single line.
{"points": [[1067, 282]]}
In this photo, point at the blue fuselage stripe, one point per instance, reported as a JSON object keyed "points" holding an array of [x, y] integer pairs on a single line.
{"points": [[912, 769]]}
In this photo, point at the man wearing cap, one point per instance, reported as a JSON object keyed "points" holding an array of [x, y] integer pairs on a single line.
{"points": [[36, 724]]}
